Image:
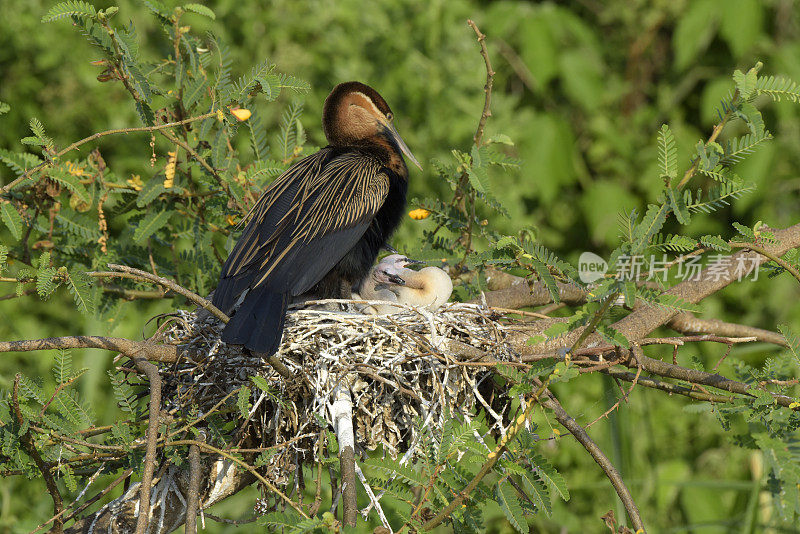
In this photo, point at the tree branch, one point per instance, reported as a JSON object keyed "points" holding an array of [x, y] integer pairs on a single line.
{"points": [[193, 498], [151, 371], [169, 284], [687, 323], [645, 319], [519, 293], [654, 383], [487, 111], [98, 135], [549, 401], [135, 349]]}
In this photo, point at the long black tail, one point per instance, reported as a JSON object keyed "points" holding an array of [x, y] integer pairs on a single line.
{"points": [[258, 323]]}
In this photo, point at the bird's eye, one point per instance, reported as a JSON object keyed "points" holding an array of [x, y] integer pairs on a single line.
{"points": [[389, 116]]}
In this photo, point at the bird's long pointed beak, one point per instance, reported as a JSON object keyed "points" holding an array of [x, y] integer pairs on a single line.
{"points": [[400, 143]]}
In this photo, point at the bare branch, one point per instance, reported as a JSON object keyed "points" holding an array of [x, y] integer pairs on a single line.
{"points": [[487, 111], [169, 284], [521, 294], [654, 383], [151, 371], [687, 323], [549, 401], [135, 349], [193, 498]]}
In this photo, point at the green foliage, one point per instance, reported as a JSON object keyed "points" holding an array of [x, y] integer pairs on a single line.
{"points": [[12, 219], [243, 401], [778, 88], [667, 154], [72, 8], [582, 131]]}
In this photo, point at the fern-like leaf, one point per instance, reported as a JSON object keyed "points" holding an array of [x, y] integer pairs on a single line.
{"points": [[243, 402], [778, 88], [667, 153], [71, 182], [258, 137], [81, 288], [285, 81], [511, 507], [287, 140], [652, 223], [719, 196], [678, 204], [715, 242], [63, 369], [674, 243], [548, 473], [737, 148], [200, 10], [792, 341], [19, 162], [242, 87], [72, 8], [150, 225], [45, 285], [11, 218], [126, 398]]}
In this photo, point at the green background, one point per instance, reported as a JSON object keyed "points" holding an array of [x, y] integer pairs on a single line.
{"points": [[581, 87]]}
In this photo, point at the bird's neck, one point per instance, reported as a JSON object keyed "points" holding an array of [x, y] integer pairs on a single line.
{"points": [[386, 151]]}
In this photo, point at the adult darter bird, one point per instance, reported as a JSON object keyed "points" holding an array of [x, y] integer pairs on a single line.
{"points": [[319, 226]]}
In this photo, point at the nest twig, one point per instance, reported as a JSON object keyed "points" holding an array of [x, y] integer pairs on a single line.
{"points": [[398, 372]]}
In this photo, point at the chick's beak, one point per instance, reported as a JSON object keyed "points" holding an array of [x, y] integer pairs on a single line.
{"points": [[390, 129]]}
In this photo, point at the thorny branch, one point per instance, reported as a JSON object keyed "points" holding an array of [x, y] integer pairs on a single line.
{"points": [[687, 323]]}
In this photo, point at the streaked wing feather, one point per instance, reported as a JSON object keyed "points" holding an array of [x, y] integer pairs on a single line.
{"points": [[305, 223]]}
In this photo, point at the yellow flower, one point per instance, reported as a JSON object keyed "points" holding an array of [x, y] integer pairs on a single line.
{"points": [[419, 214], [74, 169], [231, 220], [169, 170], [220, 115], [136, 182], [241, 114]]}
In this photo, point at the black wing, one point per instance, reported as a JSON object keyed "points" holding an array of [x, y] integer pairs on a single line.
{"points": [[303, 224]]}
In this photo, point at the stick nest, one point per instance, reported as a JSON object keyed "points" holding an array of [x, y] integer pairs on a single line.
{"points": [[399, 370]]}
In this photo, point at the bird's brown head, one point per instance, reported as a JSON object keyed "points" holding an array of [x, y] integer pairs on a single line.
{"points": [[354, 112]]}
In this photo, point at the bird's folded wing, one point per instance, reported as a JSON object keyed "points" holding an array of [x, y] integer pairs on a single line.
{"points": [[307, 220]]}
